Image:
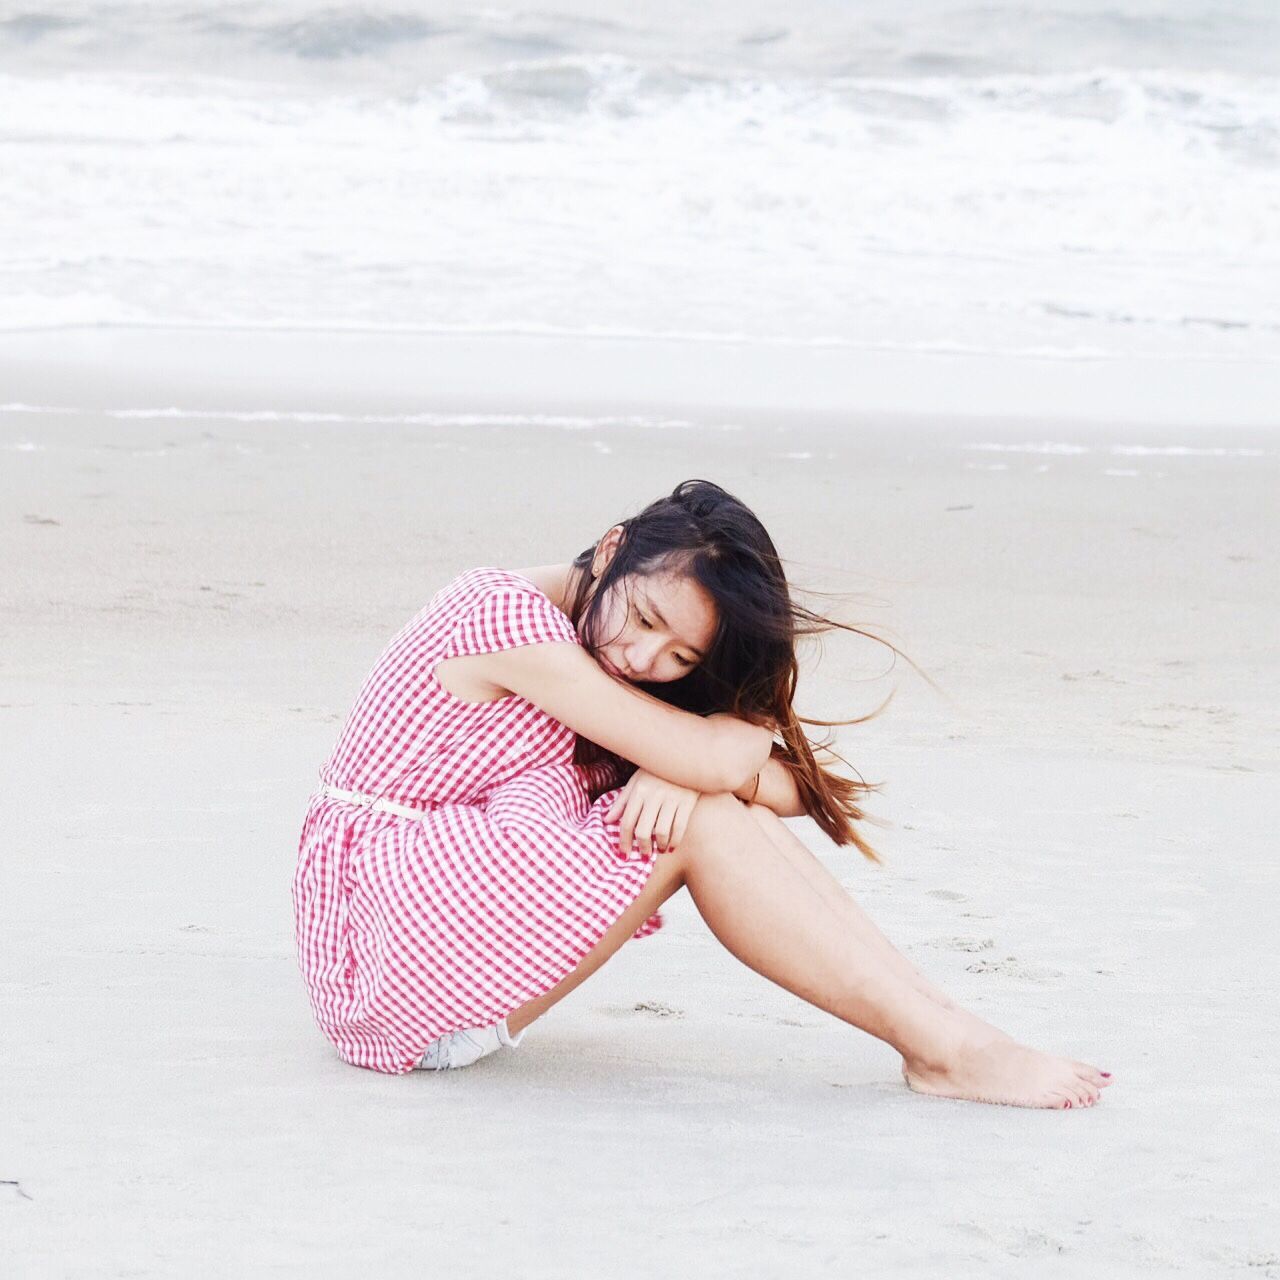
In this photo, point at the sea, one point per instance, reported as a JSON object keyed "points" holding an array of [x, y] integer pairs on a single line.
{"points": [[1070, 180]]}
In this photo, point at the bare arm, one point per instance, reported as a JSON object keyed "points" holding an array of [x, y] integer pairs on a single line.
{"points": [[777, 791], [706, 753]]}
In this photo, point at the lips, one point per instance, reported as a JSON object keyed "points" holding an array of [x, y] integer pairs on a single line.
{"points": [[611, 669]]}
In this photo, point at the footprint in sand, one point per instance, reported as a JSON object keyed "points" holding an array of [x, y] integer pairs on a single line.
{"points": [[1218, 713], [657, 1008], [947, 895], [1012, 967], [772, 1019], [962, 943]]}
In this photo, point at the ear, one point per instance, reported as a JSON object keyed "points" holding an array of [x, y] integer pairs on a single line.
{"points": [[606, 548]]}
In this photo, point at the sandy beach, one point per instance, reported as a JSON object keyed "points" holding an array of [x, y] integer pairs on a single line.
{"points": [[206, 552]]}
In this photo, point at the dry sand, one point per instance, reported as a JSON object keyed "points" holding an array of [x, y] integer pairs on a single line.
{"points": [[1083, 843]]}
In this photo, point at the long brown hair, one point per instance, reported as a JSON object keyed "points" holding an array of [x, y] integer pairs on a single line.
{"points": [[750, 669]]}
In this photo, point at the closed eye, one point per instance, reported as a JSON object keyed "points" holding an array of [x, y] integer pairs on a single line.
{"points": [[688, 662]]}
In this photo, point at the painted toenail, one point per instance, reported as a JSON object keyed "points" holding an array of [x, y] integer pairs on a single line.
{"points": [[1107, 1074]]}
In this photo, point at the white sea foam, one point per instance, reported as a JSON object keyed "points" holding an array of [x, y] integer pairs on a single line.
{"points": [[871, 177], [1044, 447], [1130, 450], [567, 422], [1180, 450]]}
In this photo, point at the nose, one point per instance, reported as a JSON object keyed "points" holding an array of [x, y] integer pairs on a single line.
{"points": [[640, 660]]}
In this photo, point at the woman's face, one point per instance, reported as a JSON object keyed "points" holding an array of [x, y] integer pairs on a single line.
{"points": [[660, 633]]}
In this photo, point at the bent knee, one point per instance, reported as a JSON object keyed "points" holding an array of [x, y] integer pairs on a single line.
{"points": [[719, 802], [712, 813], [762, 814]]}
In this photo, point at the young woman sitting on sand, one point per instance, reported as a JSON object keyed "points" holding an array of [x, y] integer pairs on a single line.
{"points": [[505, 807]]}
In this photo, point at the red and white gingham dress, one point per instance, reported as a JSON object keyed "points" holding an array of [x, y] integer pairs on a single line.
{"points": [[409, 928]]}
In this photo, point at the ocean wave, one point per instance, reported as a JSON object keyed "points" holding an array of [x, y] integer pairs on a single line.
{"points": [[22, 323], [606, 178], [370, 42]]}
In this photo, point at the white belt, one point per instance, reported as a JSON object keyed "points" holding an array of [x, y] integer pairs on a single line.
{"points": [[374, 803]]}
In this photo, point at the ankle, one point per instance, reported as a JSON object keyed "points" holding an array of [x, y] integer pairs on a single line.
{"points": [[938, 1052]]}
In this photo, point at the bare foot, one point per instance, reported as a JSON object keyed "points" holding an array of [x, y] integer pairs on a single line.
{"points": [[967, 1022], [976, 1028], [997, 1069]]}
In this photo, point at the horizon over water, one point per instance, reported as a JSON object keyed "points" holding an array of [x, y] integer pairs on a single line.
{"points": [[1085, 182]]}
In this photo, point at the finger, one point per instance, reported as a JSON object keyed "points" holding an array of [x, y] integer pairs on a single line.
{"points": [[627, 832], [644, 834], [619, 801], [680, 825], [662, 826], [655, 823], [640, 825]]}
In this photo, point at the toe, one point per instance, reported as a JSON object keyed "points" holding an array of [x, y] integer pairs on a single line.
{"points": [[1092, 1089], [1091, 1073]]}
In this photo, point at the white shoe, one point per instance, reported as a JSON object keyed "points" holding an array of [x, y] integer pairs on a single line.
{"points": [[462, 1048]]}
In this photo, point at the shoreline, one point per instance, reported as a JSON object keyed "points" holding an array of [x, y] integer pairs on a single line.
{"points": [[388, 372]]}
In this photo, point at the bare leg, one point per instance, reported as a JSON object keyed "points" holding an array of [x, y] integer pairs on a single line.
{"points": [[769, 916], [843, 903], [838, 898], [666, 878]]}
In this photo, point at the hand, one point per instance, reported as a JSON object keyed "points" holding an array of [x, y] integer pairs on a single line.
{"points": [[653, 812]]}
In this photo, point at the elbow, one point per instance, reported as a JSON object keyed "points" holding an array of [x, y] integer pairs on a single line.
{"points": [[745, 753]]}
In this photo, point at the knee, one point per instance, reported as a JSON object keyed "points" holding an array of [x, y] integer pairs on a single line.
{"points": [[714, 812], [763, 814], [719, 802]]}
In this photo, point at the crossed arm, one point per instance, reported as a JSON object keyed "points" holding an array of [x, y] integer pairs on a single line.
{"points": [[651, 808], [777, 790], [706, 753]]}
